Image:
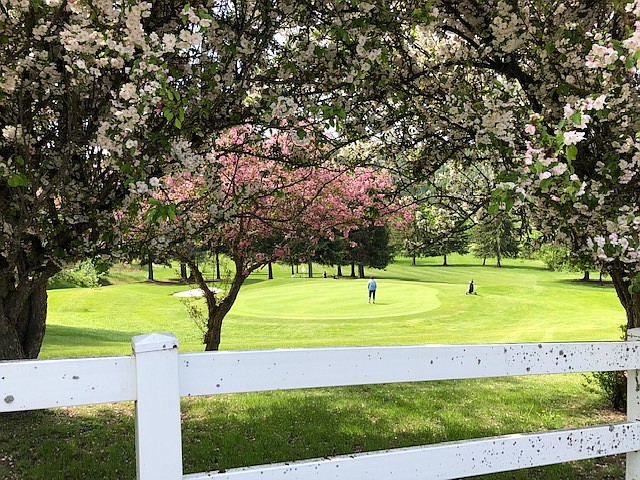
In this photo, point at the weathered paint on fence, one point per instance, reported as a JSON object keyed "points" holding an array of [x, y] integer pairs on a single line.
{"points": [[451, 460], [159, 450], [37, 384], [633, 408], [234, 372]]}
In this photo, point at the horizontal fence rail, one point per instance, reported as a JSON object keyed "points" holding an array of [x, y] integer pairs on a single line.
{"points": [[156, 376], [252, 371], [68, 382], [453, 459]]}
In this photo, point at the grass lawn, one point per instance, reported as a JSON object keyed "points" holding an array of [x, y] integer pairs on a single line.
{"points": [[415, 305]]}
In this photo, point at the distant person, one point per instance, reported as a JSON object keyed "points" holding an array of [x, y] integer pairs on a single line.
{"points": [[471, 289], [371, 286], [324, 274]]}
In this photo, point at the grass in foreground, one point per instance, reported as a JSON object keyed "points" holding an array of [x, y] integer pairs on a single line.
{"points": [[238, 430], [424, 304]]}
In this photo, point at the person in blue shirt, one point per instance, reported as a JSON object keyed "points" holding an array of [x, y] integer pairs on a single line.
{"points": [[372, 290]]}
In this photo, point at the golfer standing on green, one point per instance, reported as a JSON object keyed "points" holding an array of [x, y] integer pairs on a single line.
{"points": [[372, 290]]}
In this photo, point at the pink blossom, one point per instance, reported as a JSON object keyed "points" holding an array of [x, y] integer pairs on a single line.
{"points": [[572, 137]]}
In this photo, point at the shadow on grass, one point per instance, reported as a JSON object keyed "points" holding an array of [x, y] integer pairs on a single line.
{"points": [[286, 426], [252, 429], [587, 283], [61, 444], [488, 267], [62, 335]]}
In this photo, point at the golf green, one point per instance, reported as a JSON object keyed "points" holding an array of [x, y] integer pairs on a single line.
{"points": [[342, 299]]}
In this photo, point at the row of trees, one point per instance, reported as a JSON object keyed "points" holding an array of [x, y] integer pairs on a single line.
{"points": [[435, 232], [108, 110]]}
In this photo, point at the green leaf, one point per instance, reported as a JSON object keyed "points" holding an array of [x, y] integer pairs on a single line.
{"points": [[509, 202], [17, 180], [629, 62], [572, 152], [168, 114], [576, 118], [178, 124]]}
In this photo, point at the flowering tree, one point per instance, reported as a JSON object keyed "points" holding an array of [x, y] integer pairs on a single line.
{"points": [[257, 208], [99, 99], [579, 169], [547, 92], [79, 82]]}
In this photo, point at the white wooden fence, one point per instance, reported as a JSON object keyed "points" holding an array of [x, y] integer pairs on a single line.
{"points": [[156, 376]]}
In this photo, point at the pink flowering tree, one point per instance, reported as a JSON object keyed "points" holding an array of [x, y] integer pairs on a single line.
{"points": [[99, 99], [257, 207]]}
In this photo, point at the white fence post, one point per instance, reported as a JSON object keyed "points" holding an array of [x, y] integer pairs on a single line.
{"points": [[158, 433], [633, 409]]}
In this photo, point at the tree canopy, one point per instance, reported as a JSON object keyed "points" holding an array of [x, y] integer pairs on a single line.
{"points": [[100, 100], [257, 209]]}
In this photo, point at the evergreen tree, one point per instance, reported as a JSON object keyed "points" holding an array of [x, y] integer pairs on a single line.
{"points": [[494, 237], [370, 248]]}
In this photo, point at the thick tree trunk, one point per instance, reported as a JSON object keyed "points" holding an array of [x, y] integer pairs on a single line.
{"points": [[353, 270], [217, 310], [150, 271], [484, 261], [10, 345], [587, 276], [310, 265], [23, 319], [217, 313], [630, 301], [270, 268], [339, 271], [444, 264], [413, 259], [360, 271]]}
